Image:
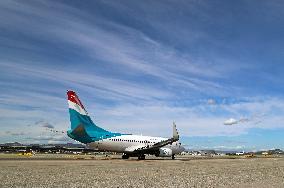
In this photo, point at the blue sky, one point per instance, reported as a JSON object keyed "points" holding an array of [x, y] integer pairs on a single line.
{"points": [[139, 65]]}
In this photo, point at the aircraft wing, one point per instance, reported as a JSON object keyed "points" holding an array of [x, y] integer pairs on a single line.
{"points": [[132, 148], [156, 146]]}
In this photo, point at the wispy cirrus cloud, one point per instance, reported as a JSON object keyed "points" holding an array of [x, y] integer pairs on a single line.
{"points": [[130, 48], [44, 124], [143, 68]]}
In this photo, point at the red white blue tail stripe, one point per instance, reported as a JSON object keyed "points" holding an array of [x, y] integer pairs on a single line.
{"points": [[75, 103]]}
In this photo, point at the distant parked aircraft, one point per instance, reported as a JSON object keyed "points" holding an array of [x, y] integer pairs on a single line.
{"points": [[84, 130], [240, 153]]}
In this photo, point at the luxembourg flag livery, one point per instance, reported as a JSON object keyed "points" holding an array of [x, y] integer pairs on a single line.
{"points": [[75, 103]]}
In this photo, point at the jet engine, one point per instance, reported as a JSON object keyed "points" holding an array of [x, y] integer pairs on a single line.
{"points": [[164, 152]]}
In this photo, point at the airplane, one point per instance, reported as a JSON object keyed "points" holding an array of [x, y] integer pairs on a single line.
{"points": [[240, 153], [84, 130]]}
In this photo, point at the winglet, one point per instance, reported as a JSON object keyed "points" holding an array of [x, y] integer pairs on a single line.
{"points": [[175, 132]]}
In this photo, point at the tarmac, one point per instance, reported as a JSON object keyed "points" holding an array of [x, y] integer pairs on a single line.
{"points": [[98, 171]]}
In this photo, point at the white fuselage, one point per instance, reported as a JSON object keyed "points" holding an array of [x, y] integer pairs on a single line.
{"points": [[127, 143]]}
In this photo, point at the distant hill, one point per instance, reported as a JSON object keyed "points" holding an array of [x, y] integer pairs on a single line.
{"points": [[66, 145]]}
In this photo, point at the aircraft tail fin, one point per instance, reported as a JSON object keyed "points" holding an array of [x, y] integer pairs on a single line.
{"points": [[79, 116]]}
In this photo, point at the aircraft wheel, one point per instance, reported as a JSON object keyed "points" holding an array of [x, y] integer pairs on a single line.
{"points": [[173, 157], [125, 156], [141, 157]]}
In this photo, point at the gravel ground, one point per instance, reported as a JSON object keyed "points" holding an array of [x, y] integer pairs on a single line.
{"points": [[257, 172]]}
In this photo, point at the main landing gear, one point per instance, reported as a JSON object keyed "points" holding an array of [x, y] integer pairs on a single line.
{"points": [[141, 157], [124, 156], [173, 157]]}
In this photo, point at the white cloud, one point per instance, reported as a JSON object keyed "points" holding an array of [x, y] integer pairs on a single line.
{"points": [[47, 125], [191, 121], [231, 121], [211, 102], [156, 119], [15, 133], [146, 106], [48, 138], [128, 48]]}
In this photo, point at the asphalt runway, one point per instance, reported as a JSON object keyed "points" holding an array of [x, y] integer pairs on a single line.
{"points": [[256, 172]]}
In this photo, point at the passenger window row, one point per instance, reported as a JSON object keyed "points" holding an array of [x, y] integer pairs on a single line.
{"points": [[122, 140]]}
